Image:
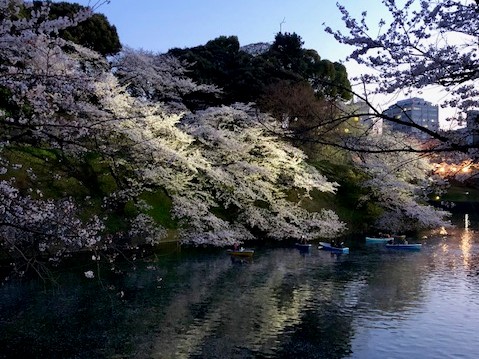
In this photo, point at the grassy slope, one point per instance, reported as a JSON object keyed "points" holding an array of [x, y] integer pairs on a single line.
{"points": [[44, 163]]}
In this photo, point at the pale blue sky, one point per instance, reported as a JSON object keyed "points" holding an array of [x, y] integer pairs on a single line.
{"points": [[159, 25]]}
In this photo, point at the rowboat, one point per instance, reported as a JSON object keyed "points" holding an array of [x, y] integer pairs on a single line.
{"points": [[373, 240], [380, 239], [327, 247], [243, 252], [404, 246]]}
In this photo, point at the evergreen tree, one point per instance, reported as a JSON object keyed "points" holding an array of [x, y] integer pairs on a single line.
{"points": [[95, 33], [244, 77]]}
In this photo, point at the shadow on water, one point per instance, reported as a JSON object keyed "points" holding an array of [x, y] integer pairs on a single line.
{"points": [[282, 303]]}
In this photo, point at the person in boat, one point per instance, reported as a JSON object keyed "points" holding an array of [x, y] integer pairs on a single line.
{"points": [[235, 246]]}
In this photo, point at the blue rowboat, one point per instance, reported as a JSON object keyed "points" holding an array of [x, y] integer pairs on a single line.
{"points": [[373, 240], [327, 247], [409, 246]]}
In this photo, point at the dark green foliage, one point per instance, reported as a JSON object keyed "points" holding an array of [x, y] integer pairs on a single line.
{"points": [[244, 77], [161, 207], [461, 192], [9, 107], [95, 33], [75, 177], [287, 51], [347, 202], [221, 62], [87, 179], [328, 79], [332, 79]]}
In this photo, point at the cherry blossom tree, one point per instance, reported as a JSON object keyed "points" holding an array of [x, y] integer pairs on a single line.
{"points": [[418, 47], [46, 105], [252, 172], [400, 184], [229, 172], [423, 45], [157, 77], [218, 159]]}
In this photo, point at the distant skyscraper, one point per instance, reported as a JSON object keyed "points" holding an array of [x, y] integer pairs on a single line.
{"points": [[414, 110]]}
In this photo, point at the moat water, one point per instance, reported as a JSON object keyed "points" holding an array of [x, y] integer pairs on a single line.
{"points": [[199, 303]]}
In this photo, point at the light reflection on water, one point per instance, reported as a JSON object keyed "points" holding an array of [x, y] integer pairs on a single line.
{"points": [[370, 303], [466, 244], [441, 321]]}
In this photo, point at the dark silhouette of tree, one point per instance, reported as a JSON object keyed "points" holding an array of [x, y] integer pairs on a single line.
{"points": [[292, 61], [244, 77], [302, 112], [95, 33], [287, 50], [220, 62]]}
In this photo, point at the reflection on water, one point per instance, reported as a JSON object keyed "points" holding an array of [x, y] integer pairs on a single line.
{"points": [[466, 245], [283, 303]]}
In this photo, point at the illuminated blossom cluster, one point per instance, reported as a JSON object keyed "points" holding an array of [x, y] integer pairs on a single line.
{"points": [[46, 104], [29, 224], [156, 77], [218, 158], [398, 184], [249, 166]]}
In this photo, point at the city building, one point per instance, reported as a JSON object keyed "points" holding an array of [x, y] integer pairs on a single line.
{"points": [[414, 110]]}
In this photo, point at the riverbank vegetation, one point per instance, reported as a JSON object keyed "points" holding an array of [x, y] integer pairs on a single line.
{"points": [[210, 145]]}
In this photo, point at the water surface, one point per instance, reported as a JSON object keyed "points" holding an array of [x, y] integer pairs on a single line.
{"points": [[371, 303]]}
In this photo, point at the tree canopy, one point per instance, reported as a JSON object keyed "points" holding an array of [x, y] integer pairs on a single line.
{"points": [[95, 33], [292, 61], [244, 77]]}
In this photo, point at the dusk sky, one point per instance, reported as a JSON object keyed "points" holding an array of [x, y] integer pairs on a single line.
{"points": [[159, 25]]}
